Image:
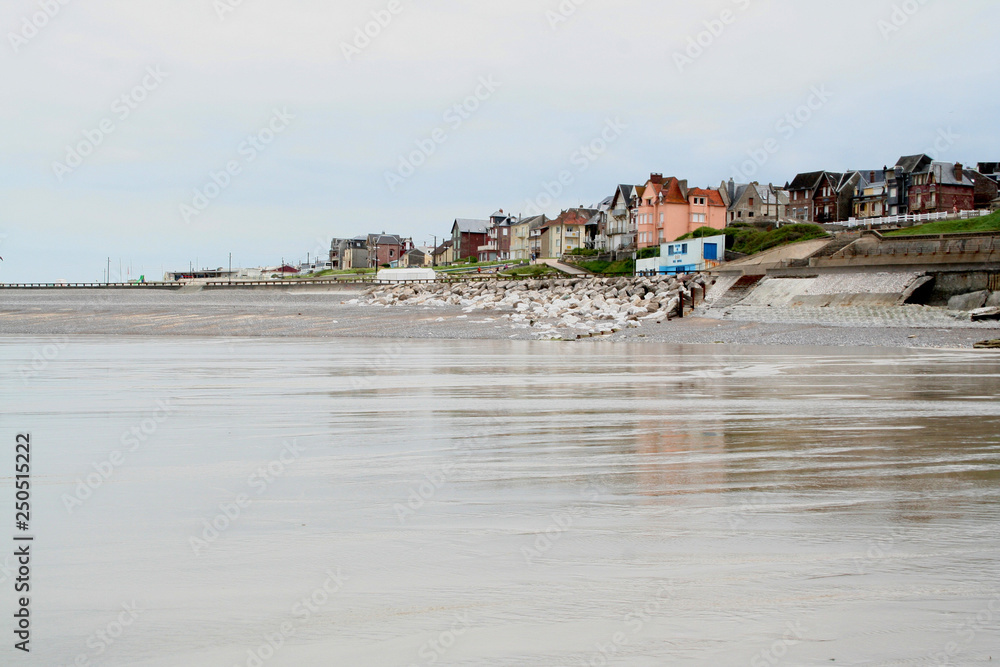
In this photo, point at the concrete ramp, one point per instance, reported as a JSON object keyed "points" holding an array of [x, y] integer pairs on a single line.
{"points": [[840, 289], [565, 268]]}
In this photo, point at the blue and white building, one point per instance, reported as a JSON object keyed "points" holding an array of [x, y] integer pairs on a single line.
{"points": [[688, 256]]}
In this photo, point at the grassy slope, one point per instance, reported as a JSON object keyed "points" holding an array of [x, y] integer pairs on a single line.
{"points": [[598, 266], [990, 223], [751, 240]]}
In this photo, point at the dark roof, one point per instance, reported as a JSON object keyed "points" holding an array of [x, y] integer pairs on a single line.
{"points": [[913, 163], [537, 222], [385, 239], [989, 168], [944, 173], [469, 226], [806, 181], [869, 177]]}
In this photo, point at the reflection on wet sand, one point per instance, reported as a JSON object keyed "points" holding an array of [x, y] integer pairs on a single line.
{"points": [[502, 503]]}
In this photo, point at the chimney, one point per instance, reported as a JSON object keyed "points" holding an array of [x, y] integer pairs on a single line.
{"points": [[656, 178], [871, 176], [959, 172]]}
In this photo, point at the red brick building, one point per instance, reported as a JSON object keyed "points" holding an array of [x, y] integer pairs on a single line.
{"points": [[941, 188], [386, 248], [468, 236]]}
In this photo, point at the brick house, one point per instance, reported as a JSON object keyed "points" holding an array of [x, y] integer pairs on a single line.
{"points": [[386, 248], [467, 236], [941, 187], [822, 196], [498, 242]]}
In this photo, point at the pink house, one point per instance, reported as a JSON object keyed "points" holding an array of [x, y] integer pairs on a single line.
{"points": [[670, 209]]}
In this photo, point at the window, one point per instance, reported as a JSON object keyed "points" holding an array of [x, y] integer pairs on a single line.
{"points": [[661, 218], [505, 232], [750, 214], [697, 217], [751, 203]]}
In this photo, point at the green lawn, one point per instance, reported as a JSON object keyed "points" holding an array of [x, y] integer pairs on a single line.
{"points": [[473, 267], [599, 266], [750, 240], [531, 271], [990, 223]]}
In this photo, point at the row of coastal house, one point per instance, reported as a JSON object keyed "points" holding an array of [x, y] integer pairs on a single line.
{"points": [[371, 251], [665, 208]]}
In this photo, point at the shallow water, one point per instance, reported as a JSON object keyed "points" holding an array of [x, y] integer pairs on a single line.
{"points": [[504, 503]]}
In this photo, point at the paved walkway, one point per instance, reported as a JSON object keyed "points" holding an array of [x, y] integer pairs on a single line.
{"points": [[565, 268]]}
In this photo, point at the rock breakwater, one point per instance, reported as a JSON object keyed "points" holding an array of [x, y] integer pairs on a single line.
{"points": [[587, 305]]}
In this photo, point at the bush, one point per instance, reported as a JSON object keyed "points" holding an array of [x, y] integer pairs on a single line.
{"points": [[584, 252], [648, 253]]}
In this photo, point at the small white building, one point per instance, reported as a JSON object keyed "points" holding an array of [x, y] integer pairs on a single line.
{"points": [[688, 256], [402, 275]]}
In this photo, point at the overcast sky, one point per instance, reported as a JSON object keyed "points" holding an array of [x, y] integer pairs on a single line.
{"points": [[115, 112]]}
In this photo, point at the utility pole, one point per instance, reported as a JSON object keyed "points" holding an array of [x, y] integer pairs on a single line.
{"points": [[433, 256], [108, 281], [230, 268]]}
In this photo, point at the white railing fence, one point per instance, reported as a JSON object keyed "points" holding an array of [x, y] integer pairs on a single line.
{"points": [[912, 219]]}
